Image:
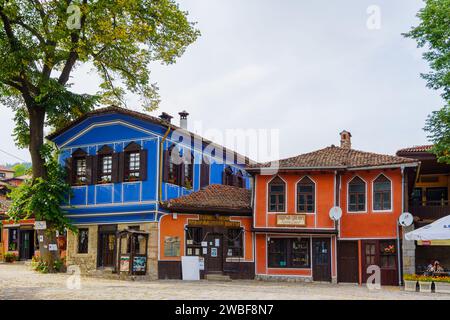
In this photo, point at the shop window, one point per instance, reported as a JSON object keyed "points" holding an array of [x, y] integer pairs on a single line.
{"points": [[356, 195], [289, 253], [277, 195], [235, 243], [172, 246], [382, 193], [305, 195], [83, 240], [194, 238], [13, 239]]}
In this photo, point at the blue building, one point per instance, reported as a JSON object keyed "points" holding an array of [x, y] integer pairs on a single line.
{"points": [[122, 166]]}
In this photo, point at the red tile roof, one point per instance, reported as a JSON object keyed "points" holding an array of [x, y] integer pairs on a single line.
{"points": [[141, 116], [336, 158], [215, 198], [425, 148], [3, 168]]}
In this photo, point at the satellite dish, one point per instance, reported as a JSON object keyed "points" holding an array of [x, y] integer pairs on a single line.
{"points": [[335, 213], [406, 219]]}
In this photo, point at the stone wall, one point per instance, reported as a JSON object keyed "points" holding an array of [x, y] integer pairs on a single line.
{"points": [[87, 262], [409, 253], [152, 259]]}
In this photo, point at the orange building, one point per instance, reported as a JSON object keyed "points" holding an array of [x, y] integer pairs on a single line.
{"points": [[296, 238], [215, 224]]}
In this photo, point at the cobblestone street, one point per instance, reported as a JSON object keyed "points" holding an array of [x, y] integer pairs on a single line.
{"points": [[19, 282]]}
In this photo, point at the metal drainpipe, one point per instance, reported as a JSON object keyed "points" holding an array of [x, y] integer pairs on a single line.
{"points": [[400, 282], [161, 151]]}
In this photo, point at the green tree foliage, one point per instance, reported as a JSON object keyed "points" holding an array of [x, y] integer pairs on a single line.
{"points": [[42, 198], [433, 33], [43, 42], [20, 169]]}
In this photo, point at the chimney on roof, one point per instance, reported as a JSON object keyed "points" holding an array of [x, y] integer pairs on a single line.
{"points": [[183, 119], [346, 139], [166, 117]]}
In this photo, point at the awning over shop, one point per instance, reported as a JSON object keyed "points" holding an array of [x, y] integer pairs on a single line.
{"points": [[438, 230]]}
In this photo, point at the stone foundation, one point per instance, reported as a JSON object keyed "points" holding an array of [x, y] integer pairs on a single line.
{"points": [[87, 262]]}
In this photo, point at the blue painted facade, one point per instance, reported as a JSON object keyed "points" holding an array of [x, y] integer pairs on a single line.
{"points": [[128, 202]]}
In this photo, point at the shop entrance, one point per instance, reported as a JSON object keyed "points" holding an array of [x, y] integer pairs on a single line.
{"points": [[321, 259], [348, 269], [214, 256], [26, 244], [107, 245], [381, 253]]}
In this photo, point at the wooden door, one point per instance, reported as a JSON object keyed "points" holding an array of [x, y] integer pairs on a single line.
{"points": [[214, 257], [107, 245], [348, 261], [376, 252], [26, 242], [321, 257]]}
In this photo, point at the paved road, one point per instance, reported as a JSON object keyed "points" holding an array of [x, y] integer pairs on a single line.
{"points": [[19, 282]]}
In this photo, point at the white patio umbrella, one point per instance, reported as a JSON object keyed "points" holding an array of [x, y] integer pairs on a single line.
{"points": [[438, 230]]}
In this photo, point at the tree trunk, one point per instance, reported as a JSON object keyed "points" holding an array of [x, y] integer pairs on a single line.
{"points": [[37, 120]]}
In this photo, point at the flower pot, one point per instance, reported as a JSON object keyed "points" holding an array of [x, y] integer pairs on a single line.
{"points": [[410, 285], [442, 287], [425, 286]]}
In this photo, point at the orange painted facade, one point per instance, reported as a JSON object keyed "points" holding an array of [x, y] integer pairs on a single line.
{"points": [[170, 227], [331, 188]]}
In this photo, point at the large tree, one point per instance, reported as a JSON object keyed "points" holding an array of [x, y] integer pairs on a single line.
{"points": [[41, 44], [433, 33]]}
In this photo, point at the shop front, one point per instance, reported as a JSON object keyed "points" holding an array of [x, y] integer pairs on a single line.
{"points": [[20, 239], [219, 235]]}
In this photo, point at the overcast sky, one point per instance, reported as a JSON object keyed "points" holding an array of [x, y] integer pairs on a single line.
{"points": [[308, 68]]}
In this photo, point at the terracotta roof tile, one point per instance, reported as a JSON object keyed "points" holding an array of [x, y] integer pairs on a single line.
{"points": [[3, 168], [336, 157], [425, 148], [214, 198]]}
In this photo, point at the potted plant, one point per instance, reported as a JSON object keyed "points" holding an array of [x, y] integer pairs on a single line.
{"points": [[410, 282], [425, 283], [10, 257], [442, 284]]}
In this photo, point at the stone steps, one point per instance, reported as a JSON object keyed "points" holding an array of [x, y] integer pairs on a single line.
{"points": [[217, 277]]}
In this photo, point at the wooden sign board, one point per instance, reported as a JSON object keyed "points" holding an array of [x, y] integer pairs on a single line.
{"points": [[210, 220], [293, 220], [40, 225]]}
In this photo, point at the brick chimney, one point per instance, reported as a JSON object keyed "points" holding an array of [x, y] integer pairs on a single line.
{"points": [[346, 139], [166, 117], [183, 119]]}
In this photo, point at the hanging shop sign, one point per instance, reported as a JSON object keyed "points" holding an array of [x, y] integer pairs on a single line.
{"points": [[40, 225], [298, 220], [212, 220]]}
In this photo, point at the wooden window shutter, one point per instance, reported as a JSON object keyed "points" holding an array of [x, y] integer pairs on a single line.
{"points": [[224, 177], [91, 166], [234, 181], [165, 166], [143, 164], [204, 175], [121, 171], [181, 175], [69, 170], [115, 168]]}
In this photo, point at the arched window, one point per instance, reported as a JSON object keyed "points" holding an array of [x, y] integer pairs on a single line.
{"points": [[105, 164], [356, 195], [277, 195], [382, 193], [306, 195], [79, 167]]}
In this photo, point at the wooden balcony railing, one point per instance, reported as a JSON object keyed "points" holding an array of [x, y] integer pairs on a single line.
{"points": [[430, 209]]}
